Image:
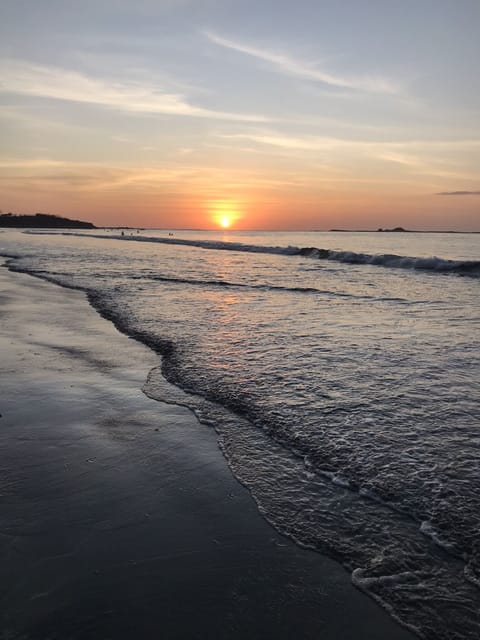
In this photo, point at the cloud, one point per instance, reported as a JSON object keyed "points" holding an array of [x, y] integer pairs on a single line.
{"points": [[302, 69], [392, 150], [417, 157], [94, 178], [311, 143], [24, 78], [458, 193]]}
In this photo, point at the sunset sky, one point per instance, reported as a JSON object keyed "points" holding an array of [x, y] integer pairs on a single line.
{"points": [[276, 115]]}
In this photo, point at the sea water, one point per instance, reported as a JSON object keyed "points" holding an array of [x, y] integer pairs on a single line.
{"points": [[341, 372]]}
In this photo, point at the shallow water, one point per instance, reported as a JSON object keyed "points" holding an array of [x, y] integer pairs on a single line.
{"points": [[344, 386]]}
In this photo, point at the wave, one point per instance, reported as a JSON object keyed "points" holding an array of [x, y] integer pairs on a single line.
{"points": [[432, 264], [264, 287], [439, 265], [218, 245]]}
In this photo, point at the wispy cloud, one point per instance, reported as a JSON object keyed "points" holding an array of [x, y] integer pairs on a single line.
{"points": [[417, 157], [294, 67], [458, 193], [32, 163], [95, 178], [277, 139], [22, 77], [325, 143], [309, 143]]}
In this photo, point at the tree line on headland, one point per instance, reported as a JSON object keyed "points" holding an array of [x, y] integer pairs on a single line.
{"points": [[42, 221]]}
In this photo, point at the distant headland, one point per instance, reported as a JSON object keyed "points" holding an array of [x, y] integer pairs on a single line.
{"points": [[42, 221]]}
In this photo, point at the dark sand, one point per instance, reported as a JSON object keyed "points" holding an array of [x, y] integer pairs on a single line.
{"points": [[119, 517]]}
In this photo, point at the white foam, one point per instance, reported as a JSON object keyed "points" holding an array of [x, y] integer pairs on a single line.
{"points": [[427, 529]]}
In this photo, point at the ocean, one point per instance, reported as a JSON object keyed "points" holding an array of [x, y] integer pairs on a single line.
{"points": [[341, 372]]}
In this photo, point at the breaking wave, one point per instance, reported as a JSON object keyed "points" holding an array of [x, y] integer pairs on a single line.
{"points": [[432, 264]]}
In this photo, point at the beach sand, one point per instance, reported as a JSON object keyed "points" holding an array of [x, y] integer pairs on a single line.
{"points": [[120, 517]]}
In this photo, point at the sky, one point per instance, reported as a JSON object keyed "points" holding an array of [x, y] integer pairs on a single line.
{"points": [[262, 114]]}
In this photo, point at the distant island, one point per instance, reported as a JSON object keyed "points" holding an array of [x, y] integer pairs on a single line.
{"points": [[42, 221], [398, 229], [394, 230]]}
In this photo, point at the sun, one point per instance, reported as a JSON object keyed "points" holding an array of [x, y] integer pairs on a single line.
{"points": [[224, 213], [225, 221]]}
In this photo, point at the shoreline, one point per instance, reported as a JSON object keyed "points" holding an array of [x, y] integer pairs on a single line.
{"points": [[120, 516]]}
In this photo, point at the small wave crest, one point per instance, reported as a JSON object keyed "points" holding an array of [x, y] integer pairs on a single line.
{"points": [[428, 530], [263, 287]]}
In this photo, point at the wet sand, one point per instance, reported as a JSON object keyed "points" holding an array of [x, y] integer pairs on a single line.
{"points": [[120, 517]]}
